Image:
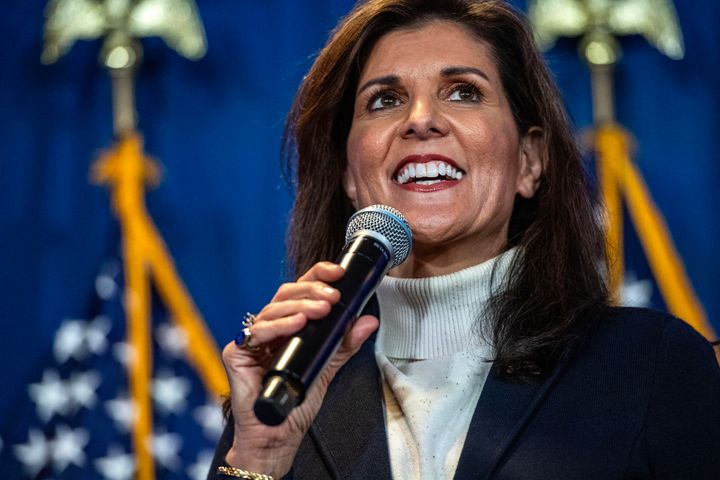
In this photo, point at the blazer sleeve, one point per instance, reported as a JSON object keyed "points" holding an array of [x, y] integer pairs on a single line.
{"points": [[221, 450], [682, 429]]}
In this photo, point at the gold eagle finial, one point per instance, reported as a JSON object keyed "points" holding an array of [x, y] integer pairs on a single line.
{"points": [[175, 21], [656, 20]]}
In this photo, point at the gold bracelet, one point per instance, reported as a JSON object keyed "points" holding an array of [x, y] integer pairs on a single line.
{"points": [[244, 474]]}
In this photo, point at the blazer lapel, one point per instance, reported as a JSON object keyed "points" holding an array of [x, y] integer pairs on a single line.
{"points": [[502, 411], [349, 431]]}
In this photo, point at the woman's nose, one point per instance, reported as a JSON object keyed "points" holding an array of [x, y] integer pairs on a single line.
{"points": [[424, 120]]}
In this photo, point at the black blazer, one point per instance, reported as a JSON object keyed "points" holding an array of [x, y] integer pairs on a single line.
{"points": [[638, 398]]}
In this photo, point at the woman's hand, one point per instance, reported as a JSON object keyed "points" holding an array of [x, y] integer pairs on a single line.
{"points": [[256, 446]]}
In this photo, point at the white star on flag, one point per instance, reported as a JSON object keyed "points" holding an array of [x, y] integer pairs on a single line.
{"points": [[81, 388], [67, 447], [50, 396], [34, 454], [211, 419], [116, 465], [96, 334], [170, 392], [106, 286], [201, 467], [78, 339], [635, 292], [124, 353], [165, 448], [70, 341], [172, 339], [122, 411]]}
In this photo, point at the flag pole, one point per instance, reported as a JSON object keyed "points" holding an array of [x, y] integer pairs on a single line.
{"points": [[126, 171]]}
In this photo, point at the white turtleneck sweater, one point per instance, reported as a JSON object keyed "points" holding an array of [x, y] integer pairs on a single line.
{"points": [[432, 362]]}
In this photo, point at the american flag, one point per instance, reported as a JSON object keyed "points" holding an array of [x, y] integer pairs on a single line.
{"points": [[74, 421]]}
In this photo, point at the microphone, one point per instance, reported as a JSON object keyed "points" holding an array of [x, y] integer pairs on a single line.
{"points": [[377, 238]]}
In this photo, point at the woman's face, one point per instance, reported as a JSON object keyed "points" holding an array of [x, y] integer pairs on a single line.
{"points": [[433, 136]]}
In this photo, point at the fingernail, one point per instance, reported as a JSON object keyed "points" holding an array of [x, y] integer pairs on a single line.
{"points": [[328, 290]]}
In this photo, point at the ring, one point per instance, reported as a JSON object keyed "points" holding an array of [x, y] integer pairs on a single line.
{"points": [[242, 339]]}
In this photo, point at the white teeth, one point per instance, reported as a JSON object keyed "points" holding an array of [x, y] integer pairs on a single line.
{"points": [[410, 171], [429, 171]]}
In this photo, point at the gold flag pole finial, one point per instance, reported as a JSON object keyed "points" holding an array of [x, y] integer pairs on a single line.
{"points": [[598, 22], [177, 22], [120, 23], [656, 20]]}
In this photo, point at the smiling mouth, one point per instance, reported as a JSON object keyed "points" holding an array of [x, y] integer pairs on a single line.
{"points": [[428, 173]]}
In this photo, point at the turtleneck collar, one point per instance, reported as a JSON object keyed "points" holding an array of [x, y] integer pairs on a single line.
{"points": [[432, 317]]}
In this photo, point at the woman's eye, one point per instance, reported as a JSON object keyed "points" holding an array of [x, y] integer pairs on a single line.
{"points": [[465, 93], [383, 100]]}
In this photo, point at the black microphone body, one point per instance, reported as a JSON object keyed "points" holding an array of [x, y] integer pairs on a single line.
{"points": [[366, 258]]}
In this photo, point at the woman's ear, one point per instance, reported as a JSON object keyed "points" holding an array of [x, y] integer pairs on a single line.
{"points": [[531, 162], [349, 186]]}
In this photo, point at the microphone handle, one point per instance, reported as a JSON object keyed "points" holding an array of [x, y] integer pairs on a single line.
{"points": [[365, 260]]}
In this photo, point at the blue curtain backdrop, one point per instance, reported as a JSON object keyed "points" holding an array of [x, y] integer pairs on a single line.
{"points": [[215, 125]]}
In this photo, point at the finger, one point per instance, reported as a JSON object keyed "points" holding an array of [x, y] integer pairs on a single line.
{"points": [[310, 308], [236, 359], [267, 332], [324, 271], [307, 289]]}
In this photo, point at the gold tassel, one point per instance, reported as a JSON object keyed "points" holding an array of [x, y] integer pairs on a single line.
{"points": [[126, 170]]}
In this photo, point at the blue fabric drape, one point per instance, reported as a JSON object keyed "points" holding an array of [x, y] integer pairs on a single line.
{"points": [[215, 127]]}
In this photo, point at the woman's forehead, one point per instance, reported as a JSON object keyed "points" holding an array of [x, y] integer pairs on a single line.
{"points": [[434, 45]]}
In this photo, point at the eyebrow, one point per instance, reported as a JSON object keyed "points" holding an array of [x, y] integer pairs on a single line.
{"points": [[445, 72], [461, 70], [385, 80]]}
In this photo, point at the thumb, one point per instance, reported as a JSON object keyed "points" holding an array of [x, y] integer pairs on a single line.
{"points": [[360, 331], [353, 340], [358, 334]]}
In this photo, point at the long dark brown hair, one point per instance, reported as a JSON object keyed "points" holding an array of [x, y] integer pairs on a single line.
{"points": [[556, 281]]}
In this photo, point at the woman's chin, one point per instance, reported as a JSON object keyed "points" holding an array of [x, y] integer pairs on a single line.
{"points": [[429, 229]]}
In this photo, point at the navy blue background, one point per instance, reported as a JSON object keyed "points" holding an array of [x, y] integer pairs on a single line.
{"points": [[215, 127]]}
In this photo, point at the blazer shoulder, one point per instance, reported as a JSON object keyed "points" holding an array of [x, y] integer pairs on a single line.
{"points": [[640, 317], [649, 341], [664, 346], [644, 324]]}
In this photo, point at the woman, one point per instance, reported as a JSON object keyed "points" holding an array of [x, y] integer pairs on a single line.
{"points": [[497, 355]]}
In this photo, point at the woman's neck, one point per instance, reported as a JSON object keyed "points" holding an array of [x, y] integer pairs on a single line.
{"points": [[434, 260]]}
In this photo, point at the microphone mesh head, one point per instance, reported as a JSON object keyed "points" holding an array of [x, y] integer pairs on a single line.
{"points": [[387, 222]]}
